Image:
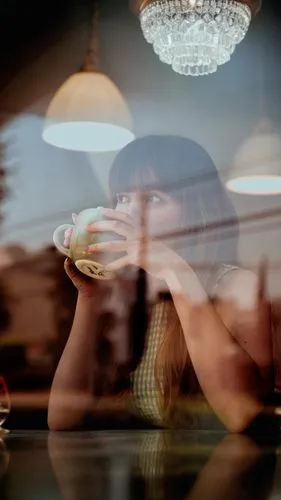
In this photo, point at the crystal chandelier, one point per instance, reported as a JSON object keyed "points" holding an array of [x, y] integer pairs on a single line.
{"points": [[195, 36]]}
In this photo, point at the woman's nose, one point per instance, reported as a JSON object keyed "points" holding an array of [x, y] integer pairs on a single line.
{"points": [[134, 212]]}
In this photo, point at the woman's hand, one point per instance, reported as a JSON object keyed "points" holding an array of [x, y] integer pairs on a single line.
{"points": [[158, 259], [86, 286]]}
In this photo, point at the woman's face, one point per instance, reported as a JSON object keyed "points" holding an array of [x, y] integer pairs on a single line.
{"points": [[163, 212]]}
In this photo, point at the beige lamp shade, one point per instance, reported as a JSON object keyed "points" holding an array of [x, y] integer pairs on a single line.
{"points": [[257, 164], [88, 113]]}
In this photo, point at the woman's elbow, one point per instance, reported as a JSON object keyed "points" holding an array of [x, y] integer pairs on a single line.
{"points": [[63, 419], [240, 420], [58, 423], [56, 426], [237, 426], [67, 411]]}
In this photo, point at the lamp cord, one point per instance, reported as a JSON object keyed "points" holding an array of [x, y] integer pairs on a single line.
{"points": [[91, 60]]}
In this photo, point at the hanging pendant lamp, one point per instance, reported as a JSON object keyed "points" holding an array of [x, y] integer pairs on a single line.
{"points": [[257, 165], [88, 112]]}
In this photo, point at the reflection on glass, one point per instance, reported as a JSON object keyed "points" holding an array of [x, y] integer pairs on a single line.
{"points": [[81, 466], [4, 458], [5, 404], [159, 465]]}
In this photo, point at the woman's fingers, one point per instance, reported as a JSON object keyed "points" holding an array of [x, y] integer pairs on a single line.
{"points": [[84, 284], [109, 246], [70, 269], [110, 226], [118, 216], [74, 274], [118, 264], [67, 237]]}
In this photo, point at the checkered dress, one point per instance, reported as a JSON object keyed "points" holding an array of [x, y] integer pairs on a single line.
{"points": [[145, 398], [147, 403]]}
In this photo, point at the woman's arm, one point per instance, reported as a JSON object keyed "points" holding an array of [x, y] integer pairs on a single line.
{"points": [[98, 349], [71, 393], [230, 470], [246, 312], [229, 376]]}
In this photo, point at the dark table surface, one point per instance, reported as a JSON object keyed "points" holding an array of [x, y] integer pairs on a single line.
{"points": [[109, 465]]}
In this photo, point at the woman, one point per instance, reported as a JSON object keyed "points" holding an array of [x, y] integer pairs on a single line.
{"points": [[213, 336]]}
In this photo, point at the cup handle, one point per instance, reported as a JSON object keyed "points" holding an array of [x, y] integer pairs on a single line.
{"points": [[57, 238]]}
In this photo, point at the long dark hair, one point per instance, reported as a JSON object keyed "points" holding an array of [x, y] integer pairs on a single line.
{"points": [[183, 169]]}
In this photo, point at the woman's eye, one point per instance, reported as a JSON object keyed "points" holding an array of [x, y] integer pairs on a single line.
{"points": [[153, 198], [122, 198]]}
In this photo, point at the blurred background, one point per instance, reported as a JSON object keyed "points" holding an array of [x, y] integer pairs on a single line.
{"points": [[40, 46]]}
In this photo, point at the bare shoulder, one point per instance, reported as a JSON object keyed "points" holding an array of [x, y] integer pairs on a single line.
{"points": [[239, 288]]}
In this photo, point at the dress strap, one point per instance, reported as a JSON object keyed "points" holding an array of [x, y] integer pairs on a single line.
{"points": [[223, 270]]}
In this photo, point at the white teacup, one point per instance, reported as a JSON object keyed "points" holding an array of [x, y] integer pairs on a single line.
{"points": [[92, 265]]}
